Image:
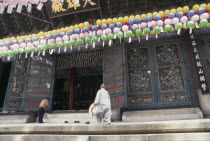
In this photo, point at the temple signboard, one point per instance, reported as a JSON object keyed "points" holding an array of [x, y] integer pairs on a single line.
{"points": [[199, 65], [58, 8]]}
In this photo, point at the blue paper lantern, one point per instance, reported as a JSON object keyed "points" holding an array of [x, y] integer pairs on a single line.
{"points": [[20, 41], [131, 22], [104, 26], [94, 27], [201, 10], [70, 32], [171, 15], [157, 17], [85, 29], [1, 44], [190, 13], [138, 20], [34, 39], [6, 43], [14, 42], [62, 34], [179, 14], [56, 35], [28, 40], [49, 36], [77, 31], [42, 38], [148, 18], [112, 26]]}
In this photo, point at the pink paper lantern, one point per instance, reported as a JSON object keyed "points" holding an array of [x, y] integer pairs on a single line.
{"points": [[167, 21], [195, 18], [43, 42], [81, 35], [17, 46], [5, 48], [153, 23], [36, 43], [90, 34], [99, 33], [184, 19], [135, 26], [116, 30], [58, 39], [74, 36], [43, 1], [108, 31], [175, 20], [65, 37], [29, 44], [32, 1], [159, 23], [143, 25], [22, 45], [204, 16], [125, 28]]}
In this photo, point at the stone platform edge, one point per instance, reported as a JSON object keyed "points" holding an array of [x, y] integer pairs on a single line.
{"points": [[178, 126]]}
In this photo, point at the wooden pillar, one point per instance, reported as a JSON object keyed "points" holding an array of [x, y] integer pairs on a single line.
{"points": [[71, 89]]}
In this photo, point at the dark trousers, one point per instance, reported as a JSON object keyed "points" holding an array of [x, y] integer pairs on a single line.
{"points": [[41, 114]]}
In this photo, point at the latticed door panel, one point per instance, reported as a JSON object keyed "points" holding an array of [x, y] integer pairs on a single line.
{"points": [[156, 76], [39, 81], [15, 90]]}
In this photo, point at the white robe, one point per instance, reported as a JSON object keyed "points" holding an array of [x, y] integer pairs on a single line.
{"points": [[103, 101]]}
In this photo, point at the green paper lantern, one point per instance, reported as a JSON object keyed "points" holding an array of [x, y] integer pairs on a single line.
{"points": [[66, 43], [190, 24], [33, 49], [87, 40], [138, 32], [44, 47], [129, 33], [156, 29], [27, 50], [104, 38], [203, 22], [179, 26], [167, 28], [110, 36], [59, 44], [72, 42], [80, 41], [146, 31], [95, 39], [120, 34], [52, 46]]}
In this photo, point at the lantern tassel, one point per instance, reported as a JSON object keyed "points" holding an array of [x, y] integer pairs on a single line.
{"points": [[99, 39], [71, 47], [19, 55], [26, 55], [79, 48], [139, 39], [103, 43], [161, 29], [120, 40], [59, 50], [196, 25], [129, 40], [156, 35], [38, 53], [94, 44], [32, 54], [65, 49], [115, 36], [8, 58], [147, 36], [184, 25], [86, 46], [178, 32], [190, 30], [125, 34], [43, 52], [110, 42]]}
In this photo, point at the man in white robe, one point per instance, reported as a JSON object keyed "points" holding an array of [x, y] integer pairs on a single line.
{"points": [[103, 101]]}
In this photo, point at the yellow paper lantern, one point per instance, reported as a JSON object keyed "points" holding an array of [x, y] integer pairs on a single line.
{"points": [[125, 19], [196, 7], [149, 14], [76, 26], [72, 28], [203, 5], [173, 11], [50, 33], [152, 32], [86, 24], [81, 25], [185, 9], [172, 30], [208, 6], [59, 31], [120, 19], [114, 20], [66, 29], [161, 13], [109, 21], [143, 16], [137, 16], [132, 17], [104, 21], [99, 22], [143, 34], [133, 35], [154, 14], [208, 25], [166, 12], [179, 9]]}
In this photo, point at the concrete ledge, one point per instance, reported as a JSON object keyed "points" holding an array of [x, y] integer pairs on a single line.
{"points": [[162, 115], [17, 119], [202, 125], [145, 137]]}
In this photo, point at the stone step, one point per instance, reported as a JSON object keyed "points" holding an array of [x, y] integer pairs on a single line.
{"points": [[70, 117], [162, 115], [17, 119], [178, 126], [143, 137]]}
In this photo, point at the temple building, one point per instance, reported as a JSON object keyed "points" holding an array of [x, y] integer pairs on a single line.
{"points": [[150, 72]]}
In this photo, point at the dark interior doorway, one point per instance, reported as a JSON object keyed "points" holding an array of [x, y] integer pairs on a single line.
{"points": [[5, 69], [78, 77]]}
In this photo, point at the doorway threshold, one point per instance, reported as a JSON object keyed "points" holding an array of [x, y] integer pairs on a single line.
{"points": [[69, 111]]}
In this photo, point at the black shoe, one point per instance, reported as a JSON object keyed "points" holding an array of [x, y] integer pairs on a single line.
{"points": [[66, 122], [41, 122]]}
